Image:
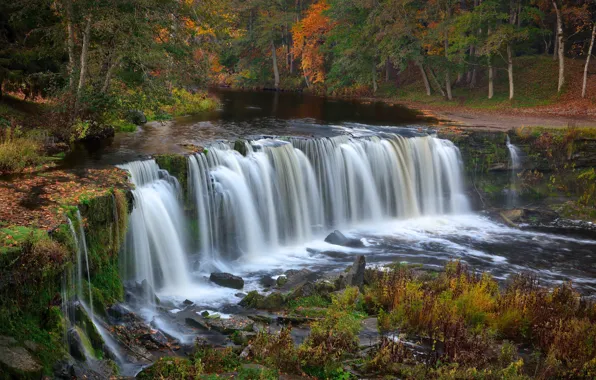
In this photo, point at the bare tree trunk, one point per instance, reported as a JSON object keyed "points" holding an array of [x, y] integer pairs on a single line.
{"points": [[83, 64], [560, 47], [387, 69], [110, 71], [447, 76], [491, 87], [374, 77], [510, 71], [71, 46], [435, 81], [555, 45], [275, 68], [588, 61], [424, 78]]}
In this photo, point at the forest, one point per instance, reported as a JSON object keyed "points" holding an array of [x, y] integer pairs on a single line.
{"points": [[284, 189], [122, 54]]}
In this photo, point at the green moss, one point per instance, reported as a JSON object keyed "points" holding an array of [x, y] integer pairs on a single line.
{"points": [[177, 166]]}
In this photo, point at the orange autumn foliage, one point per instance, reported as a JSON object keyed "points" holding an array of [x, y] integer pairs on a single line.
{"points": [[309, 36]]}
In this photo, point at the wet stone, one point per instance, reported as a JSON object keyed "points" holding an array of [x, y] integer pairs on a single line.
{"points": [[227, 280]]}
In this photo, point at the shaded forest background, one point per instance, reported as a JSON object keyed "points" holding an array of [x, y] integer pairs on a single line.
{"points": [[95, 61]]}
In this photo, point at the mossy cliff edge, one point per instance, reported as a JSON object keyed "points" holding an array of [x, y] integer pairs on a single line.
{"points": [[557, 167], [35, 268]]}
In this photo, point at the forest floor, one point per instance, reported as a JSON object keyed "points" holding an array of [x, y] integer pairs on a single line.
{"points": [[499, 119], [536, 101]]}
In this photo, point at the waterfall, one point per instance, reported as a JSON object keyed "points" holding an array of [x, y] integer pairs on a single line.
{"points": [[514, 167], [81, 252], [284, 192], [156, 239]]}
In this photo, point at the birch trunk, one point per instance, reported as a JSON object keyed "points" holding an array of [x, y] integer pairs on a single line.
{"points": [[424, 78], [510, 71], [588, 61], [491, 87], [83, 64], [560, 48]]}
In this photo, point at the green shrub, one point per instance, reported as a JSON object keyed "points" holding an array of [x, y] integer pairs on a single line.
{"points": [[186, 103], [18, 154]]}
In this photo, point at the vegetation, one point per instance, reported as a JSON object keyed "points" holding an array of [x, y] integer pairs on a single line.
{"points": [[457, 324]]}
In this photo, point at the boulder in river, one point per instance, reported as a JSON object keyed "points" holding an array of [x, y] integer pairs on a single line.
{"points": [[136, 117], [337, 238], [355, 276], [227, 280], [268, 281]]}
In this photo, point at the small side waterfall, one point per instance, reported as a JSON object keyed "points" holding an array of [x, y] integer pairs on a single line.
{"points": [[156, 239], [73, 283], [514, 167], [283, 192], [81, 252]]}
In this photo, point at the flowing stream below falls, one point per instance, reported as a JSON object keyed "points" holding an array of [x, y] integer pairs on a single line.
{"points": [[270, 210], [391, 183]]}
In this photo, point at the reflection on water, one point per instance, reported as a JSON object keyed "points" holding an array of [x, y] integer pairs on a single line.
{"points": [[246, 114]]}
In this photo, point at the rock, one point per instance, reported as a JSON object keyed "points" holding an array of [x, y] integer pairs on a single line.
{"points": [[118, 311], [246, 352], [230, 325], [7, 341], [188, 302], [252, 300], [136, 117], [227, 280], [205, 314], [297, 278], [156, 337], [240, 147], [140, 293], [337, 238], [273, 301], [268, 281], [197, 322], [84, 322], [261, 318], [282, 280], [16, 362], [243, 337], [369, 333], [240, 295], [75, 345], [31, 346], [355, 276]]}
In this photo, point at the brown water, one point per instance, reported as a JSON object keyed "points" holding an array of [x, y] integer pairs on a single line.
{"points": [[249, 113]]}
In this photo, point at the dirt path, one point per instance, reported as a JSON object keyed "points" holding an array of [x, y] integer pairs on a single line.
{"points": [[500, 119]]}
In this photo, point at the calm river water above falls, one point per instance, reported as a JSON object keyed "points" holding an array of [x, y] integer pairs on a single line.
{"points": [[366, 169]]}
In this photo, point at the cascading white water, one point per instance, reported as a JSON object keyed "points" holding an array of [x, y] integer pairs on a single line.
{"points": [[81, 252], [283, 192], [514, 167], [156, 237]]}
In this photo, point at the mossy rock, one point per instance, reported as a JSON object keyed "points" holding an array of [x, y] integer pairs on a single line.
{"points": [[176, 165], [273, 301]]}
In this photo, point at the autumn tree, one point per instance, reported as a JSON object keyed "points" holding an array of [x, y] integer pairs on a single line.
{"points": [[309, 37]]}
